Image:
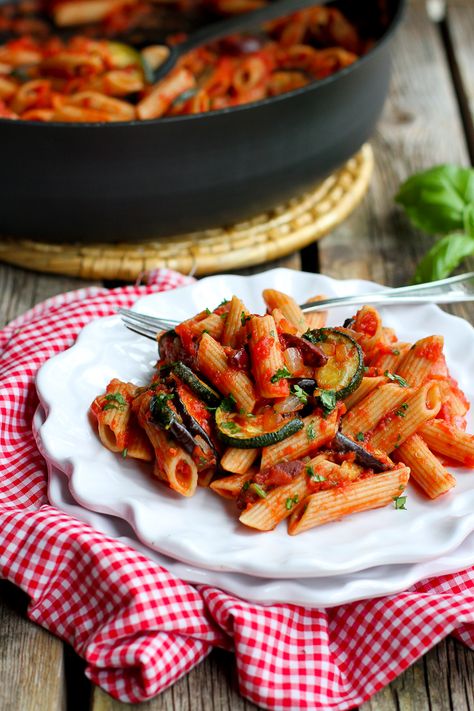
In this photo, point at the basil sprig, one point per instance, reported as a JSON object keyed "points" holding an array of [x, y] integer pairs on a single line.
{"points": [[440, 201]]}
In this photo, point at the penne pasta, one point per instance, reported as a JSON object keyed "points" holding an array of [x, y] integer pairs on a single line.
{"points": [[450, 441], [277, 505], [229, 487], [400, 424], [212, 362], [172, 464], [238, 461], [418, 362], [316, 319], [118, 429], [287, 305], [366, 386], [267, 357], [302, 427], [369, 411], [390, 358], [317, 431], [235, 323], [425, 468], [326, 506]]}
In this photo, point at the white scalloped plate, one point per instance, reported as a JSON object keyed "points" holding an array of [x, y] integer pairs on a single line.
{"points": [[203, 531], [310, 592]]}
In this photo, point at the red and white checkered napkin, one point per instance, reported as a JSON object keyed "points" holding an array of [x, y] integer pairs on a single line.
{"points": [[138, 627]]}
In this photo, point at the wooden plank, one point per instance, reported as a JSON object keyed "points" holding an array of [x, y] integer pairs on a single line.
{"points": [[420, 126], [31, 660], [459, 31], [26, 681], [211, 686], [20, 290]]}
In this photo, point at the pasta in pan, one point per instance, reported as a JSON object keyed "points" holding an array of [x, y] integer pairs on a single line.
{"points": [[85, 79], [291, 421]]}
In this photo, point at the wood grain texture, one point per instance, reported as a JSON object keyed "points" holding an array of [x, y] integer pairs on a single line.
{"points": [[20, 290], [31, 660], [420, 125], [459, 27], [211, 686]]}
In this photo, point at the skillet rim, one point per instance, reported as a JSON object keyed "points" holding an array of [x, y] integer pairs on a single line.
{"points": [[167, 120]]}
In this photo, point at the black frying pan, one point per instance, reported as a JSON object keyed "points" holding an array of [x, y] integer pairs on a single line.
{"points": [[139, 180]]}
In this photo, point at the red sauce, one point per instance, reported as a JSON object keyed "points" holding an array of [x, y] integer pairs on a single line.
{"points": [[368, 323], [187, 337], [432, 349], [262, 348]]}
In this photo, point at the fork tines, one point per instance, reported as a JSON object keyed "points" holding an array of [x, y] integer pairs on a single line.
{"points": [[144, 325]]}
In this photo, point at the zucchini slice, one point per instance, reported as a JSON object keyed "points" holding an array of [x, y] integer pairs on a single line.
{"points": [[344, 369], [198, 386], [248, 432]]}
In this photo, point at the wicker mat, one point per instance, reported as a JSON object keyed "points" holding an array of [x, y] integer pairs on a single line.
{"points": [[266, 237]]}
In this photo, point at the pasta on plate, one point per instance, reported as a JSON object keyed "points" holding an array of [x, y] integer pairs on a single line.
{"points": [[290, 418]]}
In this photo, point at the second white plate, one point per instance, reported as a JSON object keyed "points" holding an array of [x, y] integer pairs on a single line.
{"points": [[308, 592]]}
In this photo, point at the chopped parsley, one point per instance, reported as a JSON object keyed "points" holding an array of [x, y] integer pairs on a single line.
{"points": [[246, 486], [115, 401], [396, 379], [360, 436], [244, 318], [259, 491], [272, 333], [400, 502], [207, 311], [396, 352], [223, 302], [300, 394], [328, 400], [314, 475], [224, 315], [397, 443], [316, 336], [310, 433], [228, 403], [162, 398], [124, 452], [205, 331], [290, 502], [280, 374], [402, 410]]}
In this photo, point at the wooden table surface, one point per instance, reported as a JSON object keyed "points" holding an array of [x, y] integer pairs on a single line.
{"points": [[427, 120]]}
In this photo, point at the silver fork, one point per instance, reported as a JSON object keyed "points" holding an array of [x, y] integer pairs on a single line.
{"points": [[445, 291]]}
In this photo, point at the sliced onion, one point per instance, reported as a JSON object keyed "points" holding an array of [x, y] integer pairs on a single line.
{"points": [[294, 361], [289, 404]]}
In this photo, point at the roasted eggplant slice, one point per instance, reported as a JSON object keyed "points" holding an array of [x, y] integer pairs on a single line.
{"points": [[165, 417], [363, 457]]}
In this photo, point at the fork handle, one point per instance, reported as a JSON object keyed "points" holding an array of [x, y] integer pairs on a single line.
{"points": [[444, 291]]}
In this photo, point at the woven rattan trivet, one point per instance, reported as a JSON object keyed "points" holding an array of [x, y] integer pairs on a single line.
{"points": [[266, 237]]}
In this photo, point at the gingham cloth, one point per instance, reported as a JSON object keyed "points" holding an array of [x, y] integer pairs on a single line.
{"points": [[138, 627]]}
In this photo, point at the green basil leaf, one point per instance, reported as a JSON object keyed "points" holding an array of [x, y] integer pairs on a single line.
{"points": [[435, 199], [469, 219], [444, 257]]}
